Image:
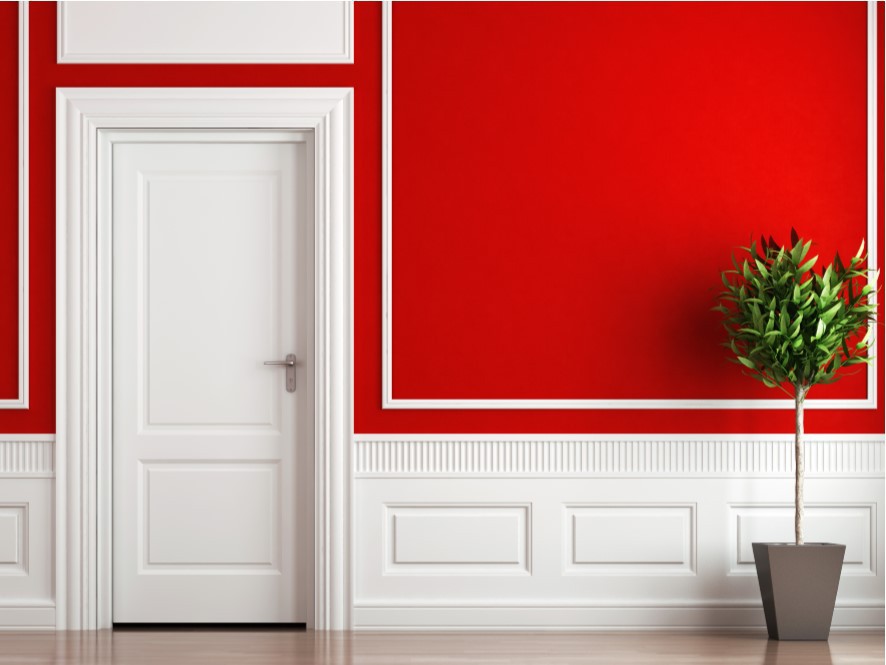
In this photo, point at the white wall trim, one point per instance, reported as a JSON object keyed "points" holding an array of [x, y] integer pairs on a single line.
{"points": [[21, 400], [27, 456], [66, 55], [645, 456], [27, 615], [640, 532], [390, 402], [690, 616], [82, 399]]}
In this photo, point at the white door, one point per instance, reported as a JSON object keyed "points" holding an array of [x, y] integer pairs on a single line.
{"points": [[212, 455]]}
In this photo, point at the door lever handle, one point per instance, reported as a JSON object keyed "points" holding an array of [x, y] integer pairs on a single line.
{"points": [[289, 364]]}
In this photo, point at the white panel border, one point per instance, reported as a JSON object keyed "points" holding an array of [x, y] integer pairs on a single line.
{"points": [[688, 566], [63, 56], [82, 566], [21, 401], [740, 510], [522, 566], [388, 400]]}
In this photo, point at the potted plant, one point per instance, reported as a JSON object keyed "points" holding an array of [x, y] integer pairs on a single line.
{"points": [[793, 328]]}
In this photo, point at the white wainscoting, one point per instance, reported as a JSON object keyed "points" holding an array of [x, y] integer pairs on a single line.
{"points": [[637, 532], [26, 531]]}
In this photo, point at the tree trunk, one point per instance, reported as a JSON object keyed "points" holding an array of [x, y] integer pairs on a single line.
{"points": [[799, 465]]}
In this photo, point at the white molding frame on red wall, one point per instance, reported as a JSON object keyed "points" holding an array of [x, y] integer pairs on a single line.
{"points": [[21, 400], [83, 476], [168, 53], [390, 402]]}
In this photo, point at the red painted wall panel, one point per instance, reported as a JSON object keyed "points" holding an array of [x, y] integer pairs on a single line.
{"points": [[515, 220], [570, 179], [9, 165], [552, 162]]}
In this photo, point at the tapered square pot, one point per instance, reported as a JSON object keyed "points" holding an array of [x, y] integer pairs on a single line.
{"points": [[798, 584]]}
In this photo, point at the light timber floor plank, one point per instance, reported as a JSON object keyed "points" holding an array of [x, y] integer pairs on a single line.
{"points": [[272, 647]]}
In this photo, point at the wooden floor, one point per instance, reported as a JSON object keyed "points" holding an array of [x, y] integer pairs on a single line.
{"points": [[270, 647]]}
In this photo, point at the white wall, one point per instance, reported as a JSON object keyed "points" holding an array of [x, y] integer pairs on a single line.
{"points": [[589, 532]]}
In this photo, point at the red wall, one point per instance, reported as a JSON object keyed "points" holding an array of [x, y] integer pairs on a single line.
{"points": [[557, 168]]}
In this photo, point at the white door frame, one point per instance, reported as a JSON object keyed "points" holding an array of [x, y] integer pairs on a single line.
{"points": [[83, 400]]}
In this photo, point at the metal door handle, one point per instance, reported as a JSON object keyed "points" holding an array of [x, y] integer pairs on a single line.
{"points": [[289, 364]]}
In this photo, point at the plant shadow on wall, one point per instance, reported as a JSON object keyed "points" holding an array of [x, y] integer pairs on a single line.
{"points": [[794, 328]]}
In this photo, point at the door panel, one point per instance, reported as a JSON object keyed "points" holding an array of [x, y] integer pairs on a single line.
{"points": [[212, 276]]}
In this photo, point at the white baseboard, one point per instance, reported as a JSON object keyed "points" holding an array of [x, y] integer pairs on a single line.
{"points": [[27, 616], [652, 617]]}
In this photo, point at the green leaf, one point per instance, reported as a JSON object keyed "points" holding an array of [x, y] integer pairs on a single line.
{"points": [[866, 340], [806, 267], [828, 315], [751, 331], [747, 363], [795, 326]]}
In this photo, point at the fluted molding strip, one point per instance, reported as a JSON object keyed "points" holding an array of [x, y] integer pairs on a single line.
{"points": [[509, 455], [27, 456]]}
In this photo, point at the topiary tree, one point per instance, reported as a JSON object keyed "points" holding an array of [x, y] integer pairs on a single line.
{"points": [[793, 328]]}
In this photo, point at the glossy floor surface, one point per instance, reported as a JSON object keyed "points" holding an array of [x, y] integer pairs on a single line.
{"points": [[270, 647]]}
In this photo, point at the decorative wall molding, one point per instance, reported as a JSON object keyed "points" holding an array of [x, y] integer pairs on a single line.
{"points": [[390, 402], [653, 616], [206, 32], [26, 549], [83, 481], [546, 455], [606, 549], [21, 400], [852, 524], [27, 456], [25, 615], [663, 540], [458, 539]]}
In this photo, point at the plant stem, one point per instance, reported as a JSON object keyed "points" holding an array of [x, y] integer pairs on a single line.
{"points": [[799, 465]]}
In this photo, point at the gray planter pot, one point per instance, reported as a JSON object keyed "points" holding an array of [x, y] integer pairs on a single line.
{"points": [[798, 584]]}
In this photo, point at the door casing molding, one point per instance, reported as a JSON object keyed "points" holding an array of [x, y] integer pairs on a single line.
{"points": [[83, 475]]}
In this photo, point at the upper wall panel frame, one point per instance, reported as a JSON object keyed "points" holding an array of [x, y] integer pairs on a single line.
{"points": [[21, 399], [390, 402], [322, 39]]}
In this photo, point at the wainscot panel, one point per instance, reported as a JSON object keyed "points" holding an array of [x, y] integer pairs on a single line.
{"points": [[563, 532], [26, 532]]}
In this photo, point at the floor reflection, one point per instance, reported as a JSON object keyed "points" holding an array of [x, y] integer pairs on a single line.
{"points": [[783, 653], [273, 647]]}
